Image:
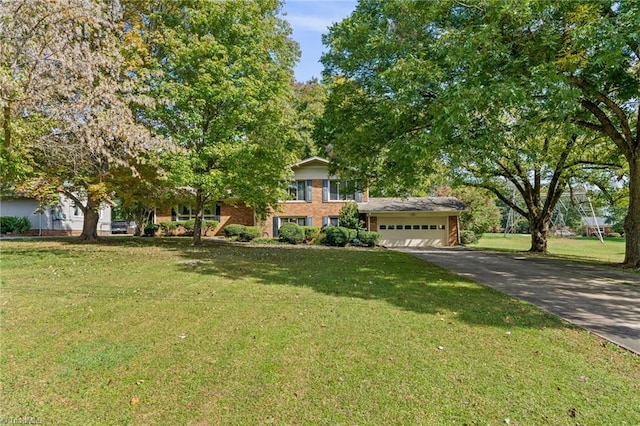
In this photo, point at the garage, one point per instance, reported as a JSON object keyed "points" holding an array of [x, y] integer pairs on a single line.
{"points": [[414, 222], [413, 231]]}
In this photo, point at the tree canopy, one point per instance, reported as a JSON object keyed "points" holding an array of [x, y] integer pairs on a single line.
{"points": [[65, 82], [221, 73], [495, 89]]}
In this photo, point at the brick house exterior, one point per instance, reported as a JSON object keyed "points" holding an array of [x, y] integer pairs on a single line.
{"points": [[316, 198]]}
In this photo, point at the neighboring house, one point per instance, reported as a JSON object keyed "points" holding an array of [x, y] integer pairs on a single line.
{"points": [[593, 224], [63, 218], [316, 198]]}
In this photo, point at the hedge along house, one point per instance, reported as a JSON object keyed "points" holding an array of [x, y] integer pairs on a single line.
{"points": [[414, 222]]}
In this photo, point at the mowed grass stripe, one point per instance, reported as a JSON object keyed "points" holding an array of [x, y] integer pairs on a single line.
{"points": [[229, 334]]}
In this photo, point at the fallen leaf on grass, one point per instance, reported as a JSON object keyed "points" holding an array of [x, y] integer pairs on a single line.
{"points": [[134, 401]]}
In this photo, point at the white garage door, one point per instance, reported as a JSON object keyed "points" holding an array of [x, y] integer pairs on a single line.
{"points": [[412, 231]]}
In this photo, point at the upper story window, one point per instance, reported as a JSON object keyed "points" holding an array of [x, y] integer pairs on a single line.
{"points": [[339, 191], [297, 190]]}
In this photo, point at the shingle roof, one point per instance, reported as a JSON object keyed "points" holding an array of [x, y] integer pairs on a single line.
{"points": [[414, 204]]}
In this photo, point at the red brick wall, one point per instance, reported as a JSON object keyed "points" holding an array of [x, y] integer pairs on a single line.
{"points": [[373, 224], [239, 214], [316, 209], [453, 231]]}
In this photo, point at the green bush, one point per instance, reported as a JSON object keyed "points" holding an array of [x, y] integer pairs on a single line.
{"points": [[468, 237], [614, 235], [310, 233], [233, 230], [188, 225], [350, 217], [249, 233], [291, 233], [337, 236], [321, 239], [15, 224], [368, 239], [151, 229], [169, 228]]}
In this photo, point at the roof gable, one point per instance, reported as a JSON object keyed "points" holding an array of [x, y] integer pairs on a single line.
{"points": [[312, 161]]}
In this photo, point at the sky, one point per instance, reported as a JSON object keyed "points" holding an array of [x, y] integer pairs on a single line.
{"points": [[309, 19]]}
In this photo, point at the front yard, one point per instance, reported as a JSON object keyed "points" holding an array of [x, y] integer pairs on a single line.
{"points": [[153, 331]]}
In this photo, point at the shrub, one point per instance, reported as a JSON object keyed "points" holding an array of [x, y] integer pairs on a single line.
{"points": [[337, 236], [310, 233], [468, 237], [291, 233], [169, 228], [321, 239], [151, 229], [16, 224], [188, 225], [249, 233], [368, 239], [614, 235], [350, 217], [233, 230]]}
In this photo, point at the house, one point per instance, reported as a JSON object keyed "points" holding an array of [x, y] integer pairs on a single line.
{"points": [[63, 218], [316, 198], [594, 226]]}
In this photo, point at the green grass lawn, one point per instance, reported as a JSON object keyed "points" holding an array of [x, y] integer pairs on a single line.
{"points": [[234, 335], [588, 249]]}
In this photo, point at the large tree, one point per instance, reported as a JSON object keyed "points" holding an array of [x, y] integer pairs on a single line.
{"points": [[479, 84], [222, 75], [64, 77]]}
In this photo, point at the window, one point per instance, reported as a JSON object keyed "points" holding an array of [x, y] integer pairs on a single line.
{"points": [[302, 221], [333, 221], [416, 226], [297, 190], [391, 227], [424, 226], [383, 227], [77, 211], [185, 212], [339, 191], [442, 227], [433, 227]]}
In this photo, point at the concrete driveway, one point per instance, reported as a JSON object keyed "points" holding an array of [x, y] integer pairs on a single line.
{"points": [[601, 300]]}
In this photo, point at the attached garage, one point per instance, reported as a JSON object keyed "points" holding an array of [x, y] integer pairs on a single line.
{"points": [[414, 222]]}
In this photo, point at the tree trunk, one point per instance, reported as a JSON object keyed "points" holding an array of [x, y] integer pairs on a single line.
{"points": [[539, 227], [197, 227], [632, 219], [90, 224]]}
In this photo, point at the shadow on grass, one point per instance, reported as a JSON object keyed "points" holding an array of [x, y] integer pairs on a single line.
{"points": [[367, 274]]}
